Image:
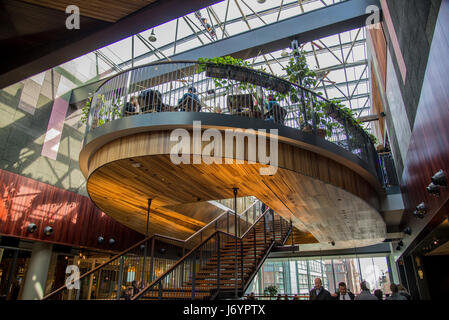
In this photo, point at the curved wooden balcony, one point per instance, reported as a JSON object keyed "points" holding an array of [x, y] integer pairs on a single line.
{"points": [[326, 184]]}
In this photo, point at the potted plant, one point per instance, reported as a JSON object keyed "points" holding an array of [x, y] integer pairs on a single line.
{"points": [[271, 291]]}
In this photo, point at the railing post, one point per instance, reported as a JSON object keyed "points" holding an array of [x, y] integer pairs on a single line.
{"points": [[218, 261], [241, 261], [235, 239], [159, 295], [146, 243], [227, 222], [152, 260], [282, 235], [291, 233], [272, 220], [255, 249], [193, 276], [119, 280], [265, 230]]}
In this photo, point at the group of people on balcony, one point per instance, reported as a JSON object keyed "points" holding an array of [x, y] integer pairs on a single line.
{"points": [[151, 101]]}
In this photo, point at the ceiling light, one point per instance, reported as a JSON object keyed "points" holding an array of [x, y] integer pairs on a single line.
{"points": [[284, 54], [31, 227], [261, 1], [421, 208], [152, 37], [136, 165], [48, 230], [408, 231]]}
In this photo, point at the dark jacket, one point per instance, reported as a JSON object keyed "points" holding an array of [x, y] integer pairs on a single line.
{"points": [[323, 295], [351, 295]]}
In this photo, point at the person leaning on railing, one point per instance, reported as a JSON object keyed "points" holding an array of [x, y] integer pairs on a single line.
{"points": [[132, 106]]}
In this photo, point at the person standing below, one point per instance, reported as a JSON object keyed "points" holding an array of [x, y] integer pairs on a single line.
{"points": [[395, 295], [318, 292], [379, 294], [403, 291], [365, 294], [343, 293]]}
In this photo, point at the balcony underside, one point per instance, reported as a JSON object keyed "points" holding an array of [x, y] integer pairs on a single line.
{"points": [[327, 198]]}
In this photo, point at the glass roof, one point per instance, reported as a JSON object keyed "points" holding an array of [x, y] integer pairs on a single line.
{"points": [[339, 60]]}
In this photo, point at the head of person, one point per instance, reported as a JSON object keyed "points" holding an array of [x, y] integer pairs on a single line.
{"points": [[134, 283], [394, 288], [318, 284], [342, 288], [365, 286], [271, 97], [192, 90], [401, 288], [134, 100], [379, 294]]}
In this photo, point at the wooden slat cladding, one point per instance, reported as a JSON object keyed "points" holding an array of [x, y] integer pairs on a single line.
{"points": [[429, 144], [110, 10], [379, 43], [321, 196], [74, 218]]}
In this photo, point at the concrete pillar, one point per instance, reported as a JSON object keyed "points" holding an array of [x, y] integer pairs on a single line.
{"points": [[392, 265], [36, 276]]}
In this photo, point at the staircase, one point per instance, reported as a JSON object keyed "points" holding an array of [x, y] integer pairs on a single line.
{"points": [[222, 266]]}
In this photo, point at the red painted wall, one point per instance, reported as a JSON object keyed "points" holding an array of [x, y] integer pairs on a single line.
{"points": [[76, 221]]}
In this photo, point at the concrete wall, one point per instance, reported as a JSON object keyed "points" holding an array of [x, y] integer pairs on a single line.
{"points": [[409, 26], [40, 133]]}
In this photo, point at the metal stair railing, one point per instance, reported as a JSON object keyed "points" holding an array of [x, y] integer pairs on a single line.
{"points": [[109, 276], [183, 280]]}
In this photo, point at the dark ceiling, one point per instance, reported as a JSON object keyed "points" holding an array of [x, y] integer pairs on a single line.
{"points": [[34, 38]]}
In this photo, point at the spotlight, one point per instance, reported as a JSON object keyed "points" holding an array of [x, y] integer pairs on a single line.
{"points": [[433, 189], [48, 230], [31, 227], [401, 243], [439, 178], [418, 215], [332, 243], [100, 239], [284, 54], [162, 250], [111, 241], [142, 246], [152, 37], [408, 231], [422, 208]]}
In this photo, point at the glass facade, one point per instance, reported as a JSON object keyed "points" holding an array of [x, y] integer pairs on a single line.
{"points": [[296, 276]]}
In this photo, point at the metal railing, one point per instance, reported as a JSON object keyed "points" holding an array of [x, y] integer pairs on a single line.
{"points": [[226, 89], [138, 263], [222, 262]]}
